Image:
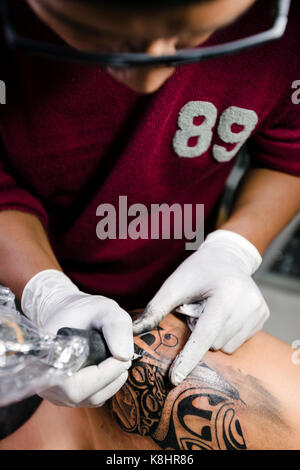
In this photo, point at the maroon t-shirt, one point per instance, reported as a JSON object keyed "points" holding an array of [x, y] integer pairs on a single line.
{"points": [[73, 138]]}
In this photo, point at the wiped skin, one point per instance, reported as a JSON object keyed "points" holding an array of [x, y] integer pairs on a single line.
{"points": [[236, 402], [248, 400]]}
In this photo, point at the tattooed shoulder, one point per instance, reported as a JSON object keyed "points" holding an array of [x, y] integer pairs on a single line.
{"points": [[204, 412]]}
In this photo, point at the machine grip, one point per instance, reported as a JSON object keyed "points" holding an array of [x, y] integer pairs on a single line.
{"points": [[98, 349]]}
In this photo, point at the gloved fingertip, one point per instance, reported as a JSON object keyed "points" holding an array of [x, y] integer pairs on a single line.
{"points": [[136, 328], [137, 321], [124, 355], [229, 349], [127, 365], [121, 346], [149, 319], [176, 377], [142, 326]]}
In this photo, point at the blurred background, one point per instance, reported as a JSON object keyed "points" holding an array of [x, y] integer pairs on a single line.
{"points": [[279, 274], [279, 280]]}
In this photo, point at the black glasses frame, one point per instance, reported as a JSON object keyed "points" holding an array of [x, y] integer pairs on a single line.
{"points": [[125, 60]]}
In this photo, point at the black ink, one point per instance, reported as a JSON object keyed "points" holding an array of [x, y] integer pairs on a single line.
{"points": [[144, 396], [148, 339], [216, 428], [201, 417], [161, 339]]}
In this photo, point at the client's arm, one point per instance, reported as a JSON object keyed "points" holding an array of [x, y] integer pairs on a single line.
{"points": [[249, 400]]}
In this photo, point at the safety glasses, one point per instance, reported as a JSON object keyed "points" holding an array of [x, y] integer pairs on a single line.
{"points": [[126, 60]]}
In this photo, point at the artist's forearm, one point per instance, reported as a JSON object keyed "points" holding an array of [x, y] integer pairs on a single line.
{"points": [[266, 202], [24, 250]]}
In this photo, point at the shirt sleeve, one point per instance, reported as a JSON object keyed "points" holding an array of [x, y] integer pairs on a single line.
{"points": [[277, 147], [13, 194], [15, 197]]}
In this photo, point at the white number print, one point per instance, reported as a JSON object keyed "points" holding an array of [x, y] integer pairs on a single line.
{"points": [[240, 117], [245, 118], [188, 129]]}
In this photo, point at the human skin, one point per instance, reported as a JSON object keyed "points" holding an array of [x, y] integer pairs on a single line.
{"points": [[23, 241], [101, 27], [249, 400]]}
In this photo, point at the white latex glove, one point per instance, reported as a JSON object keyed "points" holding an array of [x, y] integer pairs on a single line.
{"points": [[234, 308], [52, 301]]}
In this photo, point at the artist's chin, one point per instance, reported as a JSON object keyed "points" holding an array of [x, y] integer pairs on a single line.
{"points": [[142, 79]]}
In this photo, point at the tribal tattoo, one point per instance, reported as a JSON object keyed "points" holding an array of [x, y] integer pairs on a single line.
{"points": [[201, 413]]}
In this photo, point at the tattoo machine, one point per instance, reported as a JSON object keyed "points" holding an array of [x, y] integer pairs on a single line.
{"points": [[30, 360]]}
